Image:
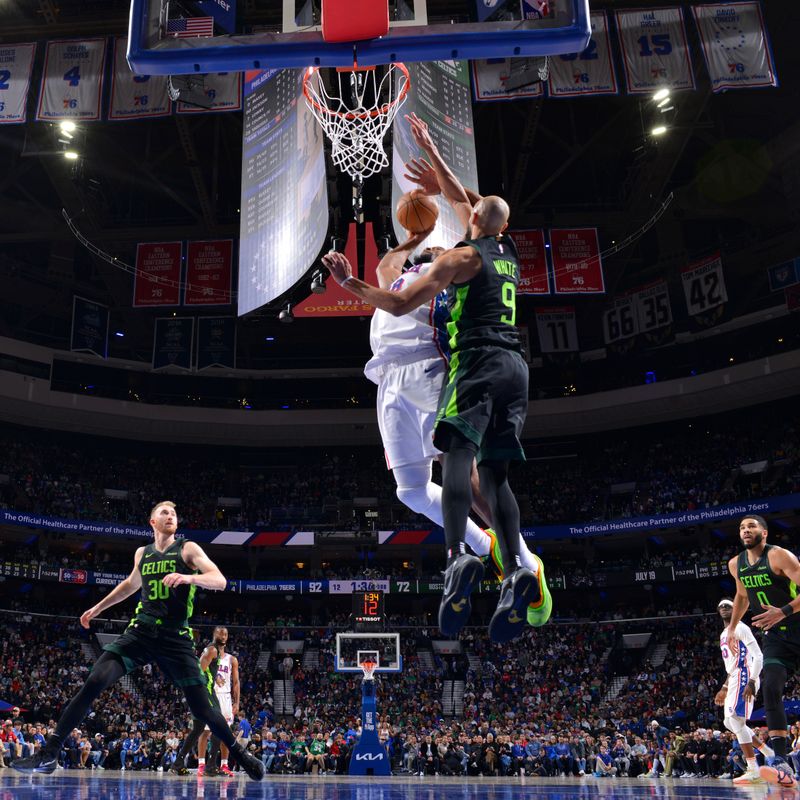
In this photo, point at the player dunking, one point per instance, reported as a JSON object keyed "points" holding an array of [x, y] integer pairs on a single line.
{"points": [[483, 406], [737, 694], [766, 579], [168, 572]]}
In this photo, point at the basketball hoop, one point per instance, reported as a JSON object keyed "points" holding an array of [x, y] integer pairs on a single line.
{"points": [[368, 668], [355, 113]]}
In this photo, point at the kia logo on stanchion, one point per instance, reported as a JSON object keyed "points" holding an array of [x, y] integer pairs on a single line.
{"points": [[369, 756]]}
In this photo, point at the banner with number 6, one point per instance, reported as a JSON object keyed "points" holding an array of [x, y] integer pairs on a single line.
{"points": [[72, 80], [589, 72], [16, 62], [654, 49], [557, 329], [704, 285], [136, 96], [735, 45]]}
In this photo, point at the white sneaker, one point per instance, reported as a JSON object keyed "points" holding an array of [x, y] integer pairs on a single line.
{"points": [[725, 776], [159, 769], [748, 779]]}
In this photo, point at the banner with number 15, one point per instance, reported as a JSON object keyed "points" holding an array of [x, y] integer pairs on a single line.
{"points": [[72, 80]]}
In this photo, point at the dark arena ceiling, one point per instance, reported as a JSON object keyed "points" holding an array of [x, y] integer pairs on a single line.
{"points": [[732, 162]]}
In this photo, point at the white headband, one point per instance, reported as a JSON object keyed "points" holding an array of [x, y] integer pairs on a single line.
{"points": [[725, 603]]}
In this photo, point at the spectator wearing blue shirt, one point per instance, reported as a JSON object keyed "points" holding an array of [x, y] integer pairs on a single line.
{"points": [[269, 749], [130, 748], [565, 761], [604, 764], [517, 758]]}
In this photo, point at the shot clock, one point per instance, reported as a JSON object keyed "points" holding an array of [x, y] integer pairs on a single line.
{"points": [[368, 610]]}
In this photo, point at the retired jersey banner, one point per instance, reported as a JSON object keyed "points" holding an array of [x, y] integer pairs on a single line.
{"points": [[89, 327], [620, 320], [557, 329], [577, 266], [72, 80], [16, 62], [224, 90], [783, 275], [208, 273], [654, 49], [589, 72], [735, 45], [490, 76], [532, 262], [704, 285], [172, 342], [157, 281], [136, 96], [216, 342], [653, 308]]}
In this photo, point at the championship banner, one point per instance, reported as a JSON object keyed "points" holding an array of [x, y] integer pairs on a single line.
{"points": [[72, 80], [704, 285], [557, 329], [172, 342], [589, 72], [652, 305], [620, 320], [736, 46], [654, 49], [216, 342], [223, 89], [577, 265], [136, 96], [490, 79], [208, 273], [16, 63], [89, 327], [784, 275], [532, 262], [158, 274]]}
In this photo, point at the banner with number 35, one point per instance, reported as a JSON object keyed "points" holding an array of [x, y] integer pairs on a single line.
{"points": [[72, 80]]}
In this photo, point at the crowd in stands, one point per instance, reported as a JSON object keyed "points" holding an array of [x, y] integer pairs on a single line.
{"points": [[539, 706], [660, 469]]}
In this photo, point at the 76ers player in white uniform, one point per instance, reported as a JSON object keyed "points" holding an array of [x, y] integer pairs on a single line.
{"points": [[740, 689]]}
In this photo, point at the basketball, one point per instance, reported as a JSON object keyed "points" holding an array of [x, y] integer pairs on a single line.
{"points": [[417, 212]]}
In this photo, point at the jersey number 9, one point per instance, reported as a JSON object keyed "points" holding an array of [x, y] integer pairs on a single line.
{"points": [[510, 301]]}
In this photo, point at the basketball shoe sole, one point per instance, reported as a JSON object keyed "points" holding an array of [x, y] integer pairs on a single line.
{"points": [[460, 578], [779, 774], [516, 592]]}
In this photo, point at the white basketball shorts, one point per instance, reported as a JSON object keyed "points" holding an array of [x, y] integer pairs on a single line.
{"points": [[225, 706], [408, 398]]}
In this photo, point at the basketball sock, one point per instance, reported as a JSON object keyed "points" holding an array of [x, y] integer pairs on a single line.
{"points": [[223, 762], [505, 512], [778, 744], [457, 493], [752, 765], [201, 762], [766, 751]]}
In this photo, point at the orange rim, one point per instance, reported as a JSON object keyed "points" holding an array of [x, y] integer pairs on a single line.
{"points": [[376, 112]]}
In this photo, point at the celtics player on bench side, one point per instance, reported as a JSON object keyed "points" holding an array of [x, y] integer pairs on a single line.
{"points": [[484, 403], [168, 572], [766, 580]]}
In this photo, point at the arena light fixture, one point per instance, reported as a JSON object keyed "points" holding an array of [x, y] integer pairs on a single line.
{"points": [[661, 94], [286, 315], [67, 125], [659, 130], [70, 155], [664, 102]]}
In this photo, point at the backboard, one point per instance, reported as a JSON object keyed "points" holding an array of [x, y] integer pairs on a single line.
{"points": [[353, 648], [419, 30]]}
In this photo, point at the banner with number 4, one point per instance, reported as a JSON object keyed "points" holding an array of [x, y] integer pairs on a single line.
{"points": [[557, 329], [136, 96], [704, 285], [72, 80], [654, 49]]}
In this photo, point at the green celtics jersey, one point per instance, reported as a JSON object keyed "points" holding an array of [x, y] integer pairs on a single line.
{"points": [[763, 586], [483, 311], [169, 605]]}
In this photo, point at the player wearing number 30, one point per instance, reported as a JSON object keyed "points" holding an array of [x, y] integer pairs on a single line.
{"points": [[168, 572]]}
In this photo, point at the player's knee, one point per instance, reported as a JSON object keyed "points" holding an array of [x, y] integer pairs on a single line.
{"points": [[738, 727], [772, 685], [417, 498]]}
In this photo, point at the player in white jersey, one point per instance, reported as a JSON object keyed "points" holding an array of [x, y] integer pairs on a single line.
{"points": [[226, 688], [738, 693], [409, 363]]}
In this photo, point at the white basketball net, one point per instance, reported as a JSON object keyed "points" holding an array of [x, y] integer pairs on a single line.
{"points": [[368, 668], [356, 113]]}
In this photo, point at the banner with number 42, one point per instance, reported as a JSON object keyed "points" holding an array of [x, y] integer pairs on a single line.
{"points": [[72, 80], [704, 285]]}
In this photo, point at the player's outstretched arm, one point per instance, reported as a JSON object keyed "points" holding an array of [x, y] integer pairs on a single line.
{"points": [[390, 267], [208, 575], [446, 269], [122, 591], [740, 605], [783, 562], [451, 187]]}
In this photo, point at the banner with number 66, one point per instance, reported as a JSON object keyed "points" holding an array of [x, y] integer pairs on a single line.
{"points": [[72, 80], [620, 320], [704, 285], [136, 96]]}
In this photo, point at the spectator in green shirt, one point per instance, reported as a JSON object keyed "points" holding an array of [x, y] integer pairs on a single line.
{"points": [[315, 753]]}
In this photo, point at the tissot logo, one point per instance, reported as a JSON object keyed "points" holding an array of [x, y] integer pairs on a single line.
{"points": [[369, 756]]}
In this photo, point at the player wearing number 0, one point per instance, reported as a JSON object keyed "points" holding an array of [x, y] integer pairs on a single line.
{"points": [[484, 402], [766, 581], [738, 692], [168, 572]]}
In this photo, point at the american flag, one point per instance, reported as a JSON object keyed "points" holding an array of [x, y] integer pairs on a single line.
{"points": [[194, 26]]}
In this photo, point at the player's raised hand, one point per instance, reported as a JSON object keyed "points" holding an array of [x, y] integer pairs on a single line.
{"points": [[420, 132], [422, 173], [338, 265]]}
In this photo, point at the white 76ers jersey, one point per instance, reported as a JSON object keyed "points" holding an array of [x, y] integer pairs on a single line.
{"points": [[224, 669], [749, 652], [419, 335]]}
